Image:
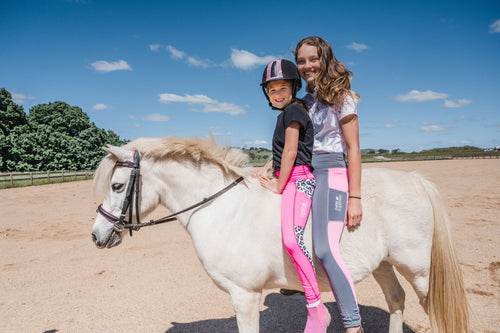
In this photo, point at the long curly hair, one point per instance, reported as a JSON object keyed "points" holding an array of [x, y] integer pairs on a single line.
{"points": [[333, 82]]}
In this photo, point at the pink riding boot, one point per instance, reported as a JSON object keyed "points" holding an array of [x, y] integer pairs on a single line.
{"points": [[318, 318]]}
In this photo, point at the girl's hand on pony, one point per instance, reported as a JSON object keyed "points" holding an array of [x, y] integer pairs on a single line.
{"points": [[259, 173], [264, 171], [270, 184]]}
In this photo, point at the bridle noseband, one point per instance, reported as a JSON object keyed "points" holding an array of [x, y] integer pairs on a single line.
{"points": [[120, 224]]}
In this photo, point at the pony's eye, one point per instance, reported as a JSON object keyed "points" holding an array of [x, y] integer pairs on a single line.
{"points": [[117, 187]]}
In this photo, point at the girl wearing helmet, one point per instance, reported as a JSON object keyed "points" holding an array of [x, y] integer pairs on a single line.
{"points": [[292, 151], [332, 106]]}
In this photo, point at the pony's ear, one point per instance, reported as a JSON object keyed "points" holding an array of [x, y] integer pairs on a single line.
{"points": [[119, 153]]}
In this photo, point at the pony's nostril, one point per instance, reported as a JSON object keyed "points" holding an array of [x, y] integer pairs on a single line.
{"points": [[94, 238]]}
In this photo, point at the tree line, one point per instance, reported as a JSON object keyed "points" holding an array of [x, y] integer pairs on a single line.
{"points": [[53, 136]]}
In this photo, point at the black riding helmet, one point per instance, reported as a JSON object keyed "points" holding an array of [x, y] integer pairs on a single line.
{"points": [[281, 69]]}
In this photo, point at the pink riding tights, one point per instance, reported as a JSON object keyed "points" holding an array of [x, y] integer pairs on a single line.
{"points": [[295, 207]]}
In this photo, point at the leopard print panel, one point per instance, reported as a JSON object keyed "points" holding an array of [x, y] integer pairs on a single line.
{"points": [[306, 186], [299, 235]]}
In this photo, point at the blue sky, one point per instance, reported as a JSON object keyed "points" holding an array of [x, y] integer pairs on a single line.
{"points": [[428, 72]]}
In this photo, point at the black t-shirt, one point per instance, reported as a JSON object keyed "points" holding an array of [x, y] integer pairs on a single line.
{"points": [[293, 112]]}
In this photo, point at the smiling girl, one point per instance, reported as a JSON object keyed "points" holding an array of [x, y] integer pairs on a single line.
{"points": [[292, 151], [337, 200]]}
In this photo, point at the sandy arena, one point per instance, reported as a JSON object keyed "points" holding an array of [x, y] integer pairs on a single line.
{"points": [[54, 279]]}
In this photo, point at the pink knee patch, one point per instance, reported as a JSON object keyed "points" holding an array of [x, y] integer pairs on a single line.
{"points": [[338, 179]]}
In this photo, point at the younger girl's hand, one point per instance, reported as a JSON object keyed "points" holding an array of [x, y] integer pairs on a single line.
{"points": [[270, 184], [263, 171]]}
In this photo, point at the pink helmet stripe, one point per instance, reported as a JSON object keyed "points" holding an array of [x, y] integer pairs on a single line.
{"points": [[274, 70]]}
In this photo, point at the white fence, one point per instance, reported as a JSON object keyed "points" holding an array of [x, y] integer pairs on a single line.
{"points": [[42, 177]]}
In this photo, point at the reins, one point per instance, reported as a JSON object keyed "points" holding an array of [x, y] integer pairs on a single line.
{"points": [[119, 223]]}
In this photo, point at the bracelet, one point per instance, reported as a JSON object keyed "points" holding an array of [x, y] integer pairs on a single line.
{"points": [[352, 196]]}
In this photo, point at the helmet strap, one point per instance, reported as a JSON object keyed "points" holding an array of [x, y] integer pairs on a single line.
{"points": [[294, 99]]}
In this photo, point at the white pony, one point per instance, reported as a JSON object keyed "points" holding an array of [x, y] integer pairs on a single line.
{"points": [[237, 236]]}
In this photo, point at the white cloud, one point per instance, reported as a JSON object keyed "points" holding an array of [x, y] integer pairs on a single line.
{"points": [[209, 105], [239, 58], [230, 109], [495, 27], [20, 98], [358, 47], [221, 133], [198, 62], [190, 99], [104, 66], [420, 96], [152, 117], [424, 96], [179, 55], [458, 104], [101, 107], [258, 143], [176, 54], [246, 60], [433, 128], [154, 47], [157, 117], [462, 143], [390, 123]]}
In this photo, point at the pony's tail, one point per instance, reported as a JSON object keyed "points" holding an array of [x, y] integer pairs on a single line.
{"points": [[447, 303]]}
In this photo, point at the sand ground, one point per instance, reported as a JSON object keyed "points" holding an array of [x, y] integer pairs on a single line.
{"points": [[53, 278]]}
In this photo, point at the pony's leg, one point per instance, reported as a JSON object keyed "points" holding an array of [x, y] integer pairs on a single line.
{"points": [[246, 306], [419, 282], [394, 295]]}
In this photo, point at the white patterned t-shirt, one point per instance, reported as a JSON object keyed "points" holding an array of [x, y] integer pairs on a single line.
{"points": [[328, 137]]}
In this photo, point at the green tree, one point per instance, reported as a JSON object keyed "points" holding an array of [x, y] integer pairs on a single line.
{"points": [[60, 116], [73, 142], [12, 116], [54, 136]]}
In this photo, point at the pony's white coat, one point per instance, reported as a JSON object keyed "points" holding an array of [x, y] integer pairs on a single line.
{"points": [[237, 237]]}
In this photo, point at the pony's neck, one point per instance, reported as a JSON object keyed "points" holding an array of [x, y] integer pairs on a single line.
{"points": [[184, 183]]}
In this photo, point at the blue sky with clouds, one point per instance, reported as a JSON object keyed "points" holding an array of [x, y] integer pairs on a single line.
{"points": [[428, 72]]}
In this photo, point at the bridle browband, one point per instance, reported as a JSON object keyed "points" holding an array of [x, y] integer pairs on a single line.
{"points": [[120, 224]]}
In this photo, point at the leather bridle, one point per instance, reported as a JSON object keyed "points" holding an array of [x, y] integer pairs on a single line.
{"points": [[119, 222]]}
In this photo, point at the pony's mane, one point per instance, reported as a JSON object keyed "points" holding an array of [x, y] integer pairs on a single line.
{"points": [[230, 160], [227, 158]]}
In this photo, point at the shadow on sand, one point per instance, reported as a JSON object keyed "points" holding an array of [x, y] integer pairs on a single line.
{"points": [[288, 315]]}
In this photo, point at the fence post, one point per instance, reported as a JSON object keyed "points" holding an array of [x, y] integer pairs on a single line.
{"points": [[31, 177], [62, 176], [48, 176], [11, 181]]}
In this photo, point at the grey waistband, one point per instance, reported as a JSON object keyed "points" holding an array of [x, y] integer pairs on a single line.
{"points": [[328, 160]]}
